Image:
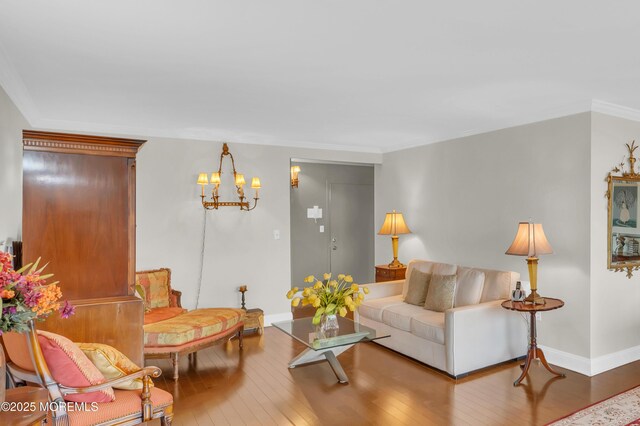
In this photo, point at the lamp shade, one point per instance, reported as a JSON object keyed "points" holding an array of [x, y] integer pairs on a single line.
{"points": [[215, 178], [529, 241], [240, 179], [202, 179], [255, 183], [394, 224]]}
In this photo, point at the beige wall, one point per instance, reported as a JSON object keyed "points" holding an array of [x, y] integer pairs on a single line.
{"points": [[463, 199], [615, 316], [240, 247], [11, 125]]}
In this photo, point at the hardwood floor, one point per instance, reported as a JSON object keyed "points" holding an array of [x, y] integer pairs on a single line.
{"points": [[255, 387]]}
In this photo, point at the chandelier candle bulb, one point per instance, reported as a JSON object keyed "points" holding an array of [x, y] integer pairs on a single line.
{"points": [[203, 181], [215, 178]]}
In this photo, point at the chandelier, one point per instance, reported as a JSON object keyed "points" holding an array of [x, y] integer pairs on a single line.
{"points": [[215, 202]]}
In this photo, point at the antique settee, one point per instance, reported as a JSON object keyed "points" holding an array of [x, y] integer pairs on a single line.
{"points": [[476, 333], [171, 331]]}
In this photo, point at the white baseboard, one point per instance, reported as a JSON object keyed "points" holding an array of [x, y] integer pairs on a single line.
{"points": [[616, 359], [577, 363], [591, 366], [271, 318]]}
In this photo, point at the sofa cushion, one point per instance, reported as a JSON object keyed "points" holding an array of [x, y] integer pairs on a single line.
{"points": [[126, 403], [193, 325], [428, 267], [441, 293], [399, 316], [157, 287], [373, 308], [417, 288], [470, 283], [429, 325], [497, 285], [161, 314]]}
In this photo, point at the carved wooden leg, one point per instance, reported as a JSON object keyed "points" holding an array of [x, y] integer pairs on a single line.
{"points": [[531, 355], [174, 360], [543, 360], [240, 334], [166, 420], [147, 408]]}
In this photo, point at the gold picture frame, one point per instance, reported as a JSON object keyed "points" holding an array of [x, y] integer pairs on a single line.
{"points": [[623, 217]]}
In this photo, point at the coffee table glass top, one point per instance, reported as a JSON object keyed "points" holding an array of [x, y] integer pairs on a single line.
{"points": [[350, 332]]}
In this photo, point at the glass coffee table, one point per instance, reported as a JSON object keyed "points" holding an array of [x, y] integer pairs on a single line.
{"points": [[320, 348]]}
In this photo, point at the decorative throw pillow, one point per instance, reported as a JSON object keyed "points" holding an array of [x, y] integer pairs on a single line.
{"points": [[112, 363], [441, 293], [71, 367], [417, 287], [156, 286], [141, 293]]}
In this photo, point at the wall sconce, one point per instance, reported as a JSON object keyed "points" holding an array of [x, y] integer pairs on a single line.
{"points": [[203, 180], [294, 176]]}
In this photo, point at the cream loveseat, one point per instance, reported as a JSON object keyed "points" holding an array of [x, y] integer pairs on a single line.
{"points": [[476, 333]]}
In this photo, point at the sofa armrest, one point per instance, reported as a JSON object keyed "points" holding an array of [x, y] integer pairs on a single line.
{"points": [[481, 335], [175, 299], [384, 289]]}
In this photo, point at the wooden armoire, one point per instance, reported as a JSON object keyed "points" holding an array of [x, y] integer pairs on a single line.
{"points": [[79, 214]]}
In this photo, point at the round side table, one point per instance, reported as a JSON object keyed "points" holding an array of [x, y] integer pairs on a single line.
{"points": [[534, 352]]}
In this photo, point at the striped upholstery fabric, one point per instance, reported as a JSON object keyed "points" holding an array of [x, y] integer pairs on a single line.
{"points": [[157, 287], [126, 403], [191, 326]]}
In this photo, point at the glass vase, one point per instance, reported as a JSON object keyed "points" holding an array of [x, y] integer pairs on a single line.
{"points": [[329, 325]]}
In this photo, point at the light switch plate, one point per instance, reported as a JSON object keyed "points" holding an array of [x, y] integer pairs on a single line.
{"points": [[276, 234], [321, 228]]}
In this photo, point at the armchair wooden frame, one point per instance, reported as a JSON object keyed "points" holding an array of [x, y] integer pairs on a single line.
{"points": [[43, 377]]}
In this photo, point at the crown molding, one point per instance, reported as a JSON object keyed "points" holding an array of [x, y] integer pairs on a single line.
{"points": [[547, 114], [80, 144], [615, 110]]}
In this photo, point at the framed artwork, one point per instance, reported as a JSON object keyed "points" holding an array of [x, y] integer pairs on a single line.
{"points": [[623, 225]]}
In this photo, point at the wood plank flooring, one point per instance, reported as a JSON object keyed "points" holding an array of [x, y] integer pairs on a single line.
{"points": [[255, 387]]}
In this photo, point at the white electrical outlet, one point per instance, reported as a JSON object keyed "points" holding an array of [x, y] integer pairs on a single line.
{"points": [[276, 234], [539, 316], [321, 228]]}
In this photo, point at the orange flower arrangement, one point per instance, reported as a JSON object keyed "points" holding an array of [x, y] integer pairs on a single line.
{"points": [[26, 295]]}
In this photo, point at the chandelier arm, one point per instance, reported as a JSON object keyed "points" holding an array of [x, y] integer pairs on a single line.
{"points": [[255, 204]]}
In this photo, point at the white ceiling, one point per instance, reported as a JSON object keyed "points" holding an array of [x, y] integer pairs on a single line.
{"points": [[367, 75]]}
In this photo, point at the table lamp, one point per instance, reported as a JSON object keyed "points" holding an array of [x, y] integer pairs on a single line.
{"points": [[393, 225], [530, 241]]}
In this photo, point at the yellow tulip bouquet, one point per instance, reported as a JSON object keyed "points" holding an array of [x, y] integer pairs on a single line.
{"points": [[329, 297]]}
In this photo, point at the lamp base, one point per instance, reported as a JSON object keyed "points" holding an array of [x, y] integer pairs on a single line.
{"points": [[396, 264], [535, 299]]}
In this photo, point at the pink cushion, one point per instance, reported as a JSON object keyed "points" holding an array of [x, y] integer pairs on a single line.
{"points": [[69, 366]]}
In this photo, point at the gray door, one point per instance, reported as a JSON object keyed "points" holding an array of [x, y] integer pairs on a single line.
{"points": [[352, 231]]}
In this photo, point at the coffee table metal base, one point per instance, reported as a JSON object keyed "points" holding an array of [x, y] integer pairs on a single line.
{"points": [[311, 355]]}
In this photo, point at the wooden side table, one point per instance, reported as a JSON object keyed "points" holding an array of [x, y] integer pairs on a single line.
{"points": [[385, 273], [29, 398], [254, 320], [534, 351]]}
